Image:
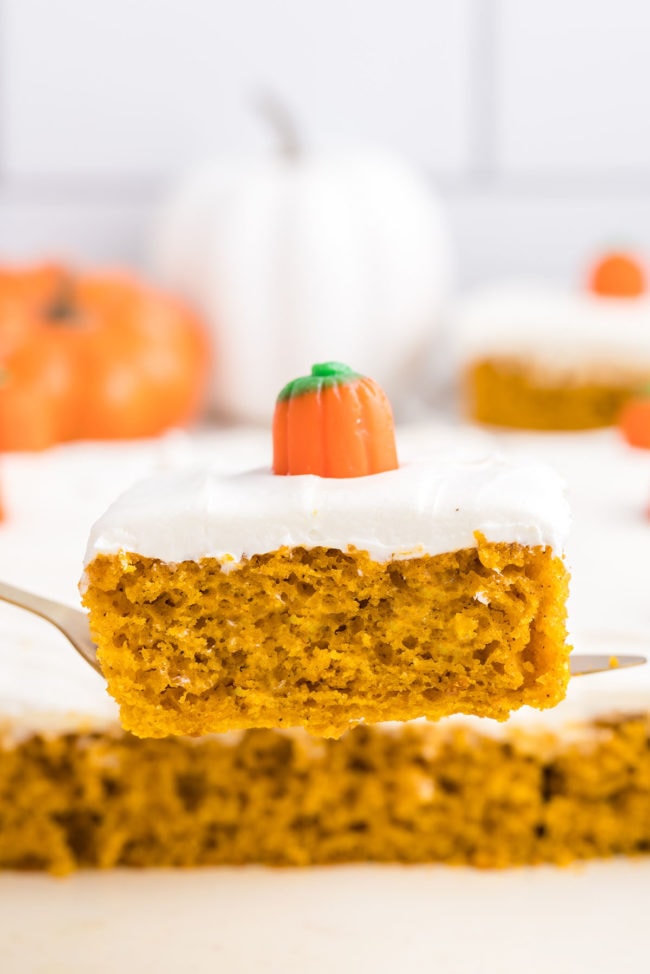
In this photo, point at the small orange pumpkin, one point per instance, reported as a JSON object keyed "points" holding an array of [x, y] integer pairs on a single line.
{"points": [[634, 421], [333, 423], [618, 275], [94, 356]]}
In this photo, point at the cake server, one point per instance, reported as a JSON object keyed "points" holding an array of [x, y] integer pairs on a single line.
{"points": [[74, 625]]}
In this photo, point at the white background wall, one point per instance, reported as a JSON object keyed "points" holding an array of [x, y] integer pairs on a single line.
{"points": [[533, 116]]}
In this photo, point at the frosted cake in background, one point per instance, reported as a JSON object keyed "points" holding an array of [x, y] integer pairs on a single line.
{"points": [[532, 356]]}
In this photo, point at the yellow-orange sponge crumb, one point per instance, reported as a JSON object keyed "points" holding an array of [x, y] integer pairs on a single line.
{"points": [[324, 639], [522, 394], [414, 793]]}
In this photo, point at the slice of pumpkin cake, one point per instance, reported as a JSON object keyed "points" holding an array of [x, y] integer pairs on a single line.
{"points": [[335, 588], [540, 358]]}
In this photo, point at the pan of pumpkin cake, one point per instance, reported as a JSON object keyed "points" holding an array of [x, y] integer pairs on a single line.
{"points": [[333, 646]]}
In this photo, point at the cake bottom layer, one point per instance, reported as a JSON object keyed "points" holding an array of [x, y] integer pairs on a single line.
{"points": [[516, 393], [416, 793], [323, 639]]}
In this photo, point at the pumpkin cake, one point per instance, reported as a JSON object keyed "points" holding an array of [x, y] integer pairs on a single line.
{"points": [[534, 358], [418, 792], [77, 791], [323, 594]]}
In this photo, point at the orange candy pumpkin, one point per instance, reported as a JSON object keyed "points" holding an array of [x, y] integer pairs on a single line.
{"points": [[618, 275], [634, 421], [94, 357], [333, 423]]}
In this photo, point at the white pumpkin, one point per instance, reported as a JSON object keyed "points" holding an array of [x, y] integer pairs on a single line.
{"points": [[304, 258]]}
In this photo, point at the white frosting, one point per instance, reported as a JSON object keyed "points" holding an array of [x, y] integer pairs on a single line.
{"points": [[45, 686], [426, 507], [559, 327]]}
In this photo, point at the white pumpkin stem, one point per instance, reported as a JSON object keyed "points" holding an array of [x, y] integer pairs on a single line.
{"points": [[283, 122]]}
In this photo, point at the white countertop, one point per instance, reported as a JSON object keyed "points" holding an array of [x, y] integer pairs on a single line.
{"points": [[382, 919]]}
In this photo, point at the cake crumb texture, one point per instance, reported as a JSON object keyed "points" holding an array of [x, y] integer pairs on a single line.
{"points": [[418, 793], [323, 639], [513, 392]]}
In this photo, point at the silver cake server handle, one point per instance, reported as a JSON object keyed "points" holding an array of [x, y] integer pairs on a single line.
{"points": [[74, 626], [71, 622]]}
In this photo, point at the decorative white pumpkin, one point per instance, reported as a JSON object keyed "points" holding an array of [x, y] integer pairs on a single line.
{"points": [[304, 258]]}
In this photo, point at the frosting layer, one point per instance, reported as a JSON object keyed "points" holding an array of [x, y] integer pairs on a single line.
{"points": [[560, 326], [421, 508]]}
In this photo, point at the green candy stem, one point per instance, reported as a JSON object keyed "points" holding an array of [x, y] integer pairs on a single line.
{"points": [[323, 376], [332, 368]]}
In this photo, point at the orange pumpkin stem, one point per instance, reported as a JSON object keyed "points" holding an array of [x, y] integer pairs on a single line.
{"points": [[333, 423], [618, 275]]}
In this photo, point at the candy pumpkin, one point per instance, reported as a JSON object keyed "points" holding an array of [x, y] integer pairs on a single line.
{"points": [[634, 421], [93, 357], [333, 423], [618, 275]]}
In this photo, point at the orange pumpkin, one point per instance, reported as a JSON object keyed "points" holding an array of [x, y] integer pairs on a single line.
{"points": [[333, 423], [618, 275], [634, 422], [94, 357]]}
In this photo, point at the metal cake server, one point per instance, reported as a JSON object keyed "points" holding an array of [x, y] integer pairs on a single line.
{"points": [[71, 622], [74, 626]]}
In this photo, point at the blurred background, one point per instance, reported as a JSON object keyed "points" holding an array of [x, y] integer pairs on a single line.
{"points": [[529, 117]]}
